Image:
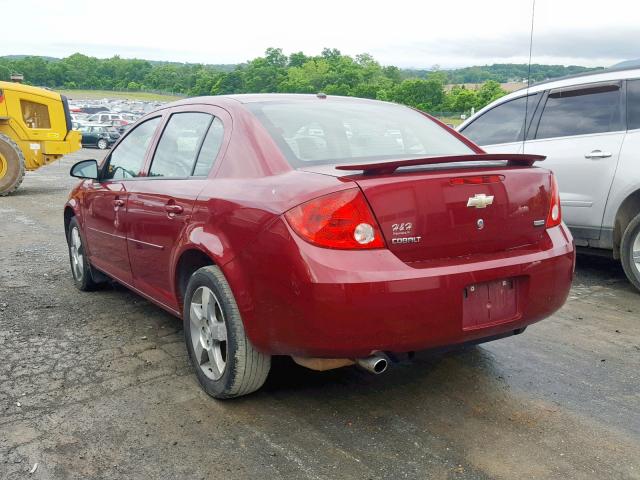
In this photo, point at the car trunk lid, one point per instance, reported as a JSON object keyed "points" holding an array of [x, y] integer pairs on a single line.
{"points": [[450, 213], [455, 209]]}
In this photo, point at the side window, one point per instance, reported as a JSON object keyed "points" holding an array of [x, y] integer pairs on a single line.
{"points": [[179, 144], [504, 123], [633, 104], [35, 115], [127, 158], [582, 111], [210, 148]]}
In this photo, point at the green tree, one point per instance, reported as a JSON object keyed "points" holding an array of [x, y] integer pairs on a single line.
{"points": [[488, 92], [425, 95]]}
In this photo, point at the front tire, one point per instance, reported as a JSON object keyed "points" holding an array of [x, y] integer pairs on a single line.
{"points": [[226, 363], [11, 165], [103, 144], [630, 251], [81, 271]]}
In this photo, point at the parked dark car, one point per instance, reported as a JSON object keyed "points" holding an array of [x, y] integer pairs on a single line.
{"points": [[93, 109], [332, 230], [101, 136]]}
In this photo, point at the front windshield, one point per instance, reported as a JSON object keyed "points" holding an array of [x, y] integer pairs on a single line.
{"points": [[341, 132]]}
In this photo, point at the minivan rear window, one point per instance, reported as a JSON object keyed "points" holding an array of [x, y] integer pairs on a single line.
{"points": [[633, 104], [341, 132], [580, 112]]}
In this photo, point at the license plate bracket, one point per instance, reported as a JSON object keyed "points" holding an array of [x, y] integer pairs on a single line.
{"points": [[489, 303]]}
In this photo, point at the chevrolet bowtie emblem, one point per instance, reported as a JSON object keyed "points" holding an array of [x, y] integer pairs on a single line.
{"points": [[480, 200]]}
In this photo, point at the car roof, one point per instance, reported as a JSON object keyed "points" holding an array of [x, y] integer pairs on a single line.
{"points": [[287, 97], [19, 87], [246, 98], [573, 80]]}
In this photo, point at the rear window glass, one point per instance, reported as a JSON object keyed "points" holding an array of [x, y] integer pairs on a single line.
{"points": [[342, 132], [35, 115], [210, 148], [180, 144], [581, 112], [633, 104]]}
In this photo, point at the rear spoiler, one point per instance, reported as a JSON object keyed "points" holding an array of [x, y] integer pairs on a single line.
{"points": [[381, 168]]}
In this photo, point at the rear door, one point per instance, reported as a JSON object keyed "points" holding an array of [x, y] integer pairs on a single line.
{"points": [[581, 130], [159, 207], [105, 202]]}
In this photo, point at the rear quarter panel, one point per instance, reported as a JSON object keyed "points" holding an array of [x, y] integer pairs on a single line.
{"points": [[627, 177]]}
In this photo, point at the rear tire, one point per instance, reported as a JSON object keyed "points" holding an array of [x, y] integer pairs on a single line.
{"points": [[11, 165], [226, 363], [81, 271], [102, 144], [630, 251]]}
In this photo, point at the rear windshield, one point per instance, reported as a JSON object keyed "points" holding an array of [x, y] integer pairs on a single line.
{"points": [[343, 132]]}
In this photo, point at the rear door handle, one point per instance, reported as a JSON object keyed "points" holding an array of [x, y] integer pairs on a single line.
{"points": [[173, 209], [118, 203], [597, 154]]}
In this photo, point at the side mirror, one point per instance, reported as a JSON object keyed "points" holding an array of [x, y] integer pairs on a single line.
{"points": [[85, 169]]}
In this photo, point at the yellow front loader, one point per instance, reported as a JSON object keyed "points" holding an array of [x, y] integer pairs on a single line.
{"points": [[35, 129]]}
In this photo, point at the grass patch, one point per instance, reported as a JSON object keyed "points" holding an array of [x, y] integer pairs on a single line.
{"points": [[100, 94], [455, 121]]}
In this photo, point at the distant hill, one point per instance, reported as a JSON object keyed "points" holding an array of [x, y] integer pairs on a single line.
{"points": [[222, 67], [628, 64], [20, 57], [504, 72]]}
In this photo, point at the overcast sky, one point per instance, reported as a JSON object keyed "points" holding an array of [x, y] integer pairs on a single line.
{"points": [[405, 33]]}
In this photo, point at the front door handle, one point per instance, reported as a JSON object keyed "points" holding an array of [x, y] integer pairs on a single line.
{"points": [[118, 203], [597, 154], [173, 209]]}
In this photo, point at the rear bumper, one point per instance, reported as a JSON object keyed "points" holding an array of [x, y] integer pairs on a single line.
{"points": [[307, 301]]}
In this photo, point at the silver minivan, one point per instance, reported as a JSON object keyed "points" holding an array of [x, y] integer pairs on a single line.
{"points": [[588, 126]]}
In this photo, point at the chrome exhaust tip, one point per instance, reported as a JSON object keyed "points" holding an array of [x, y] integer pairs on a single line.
{"points": [[376, 363]]}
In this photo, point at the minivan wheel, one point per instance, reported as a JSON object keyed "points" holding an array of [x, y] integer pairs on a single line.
{"points": [[630, 251], [102, 144], [80, 269], [226, 363]]}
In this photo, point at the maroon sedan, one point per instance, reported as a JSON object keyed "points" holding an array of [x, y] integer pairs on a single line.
{"points": [[333, 230]]}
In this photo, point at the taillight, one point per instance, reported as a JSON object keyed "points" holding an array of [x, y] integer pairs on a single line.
{"points": [[554, 217], [476, 180], [339, 220]]}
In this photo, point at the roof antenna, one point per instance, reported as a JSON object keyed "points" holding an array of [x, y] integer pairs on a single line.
{"points": [[526, 101]]}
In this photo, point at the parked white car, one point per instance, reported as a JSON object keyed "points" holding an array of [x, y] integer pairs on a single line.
{"points": [[588, 126], [109, 117]]}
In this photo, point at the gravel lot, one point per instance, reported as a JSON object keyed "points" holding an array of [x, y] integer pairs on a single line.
{"points": [[98, 385]]}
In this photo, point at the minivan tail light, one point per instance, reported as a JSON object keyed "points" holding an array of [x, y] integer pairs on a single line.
{"points": [[341, 220], [554, 217]]}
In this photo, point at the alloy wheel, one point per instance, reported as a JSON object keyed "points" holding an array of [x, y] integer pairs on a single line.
{"points": [[635, 252], [77, 257], [208, 333]]}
